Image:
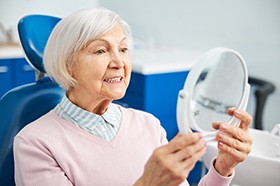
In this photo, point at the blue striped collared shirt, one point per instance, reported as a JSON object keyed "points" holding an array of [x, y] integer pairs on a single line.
{"points": [[105, 126]]}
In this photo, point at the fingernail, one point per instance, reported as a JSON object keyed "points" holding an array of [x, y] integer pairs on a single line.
{"points": [[200, 135], [238, 112], [224, 126], [220, 144]]}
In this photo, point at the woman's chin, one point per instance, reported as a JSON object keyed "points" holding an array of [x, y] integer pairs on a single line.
{"points": [[116, 92], [115, 95]]}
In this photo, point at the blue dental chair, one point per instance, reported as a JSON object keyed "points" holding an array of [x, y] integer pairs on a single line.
{"points": [[26, 103]]}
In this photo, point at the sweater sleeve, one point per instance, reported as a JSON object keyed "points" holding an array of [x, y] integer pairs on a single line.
{"points": [[213, 178], [34, 165]]}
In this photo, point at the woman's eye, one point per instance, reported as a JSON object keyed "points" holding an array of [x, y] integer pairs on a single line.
{"points": [[124, 50], [101, 51]]}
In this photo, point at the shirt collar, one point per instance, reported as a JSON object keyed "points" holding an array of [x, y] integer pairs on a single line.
{"points": [[83, 117]]}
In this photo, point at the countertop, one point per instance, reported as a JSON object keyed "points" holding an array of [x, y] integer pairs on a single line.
{"points": [[11, 52], [163, 60]]}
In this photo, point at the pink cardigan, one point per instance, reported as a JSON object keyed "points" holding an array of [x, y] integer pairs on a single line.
{"points": [[51, 151]]}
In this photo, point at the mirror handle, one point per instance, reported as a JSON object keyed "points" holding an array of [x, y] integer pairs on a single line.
{"points": [[242, 106], [244, 101], [209, 136], [182, 110]]}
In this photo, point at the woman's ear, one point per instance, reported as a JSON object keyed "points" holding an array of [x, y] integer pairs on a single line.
{"points": [[70, 71], [72, 66]]}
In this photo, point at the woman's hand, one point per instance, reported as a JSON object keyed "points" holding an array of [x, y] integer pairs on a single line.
{"points": [[234, 143], [170, 164]]}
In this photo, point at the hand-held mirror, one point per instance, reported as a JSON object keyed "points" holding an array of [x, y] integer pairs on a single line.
{"points": [[217, 82]]}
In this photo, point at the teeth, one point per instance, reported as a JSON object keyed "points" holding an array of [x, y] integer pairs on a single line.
{"points": [[113, 80]]}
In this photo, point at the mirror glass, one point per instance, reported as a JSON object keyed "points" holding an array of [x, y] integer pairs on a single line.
{"points": [[218, 81], [219, 86]]}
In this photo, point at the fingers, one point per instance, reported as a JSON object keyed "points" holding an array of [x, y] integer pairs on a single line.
{"points": [[244, 117], [233, 153], [187, 150], [192, 151], [189, 147], [216, 125], [180, 142], [176, 159], [234, 132], [238, 140], [230, 111], [234, 143], [188, 163]]}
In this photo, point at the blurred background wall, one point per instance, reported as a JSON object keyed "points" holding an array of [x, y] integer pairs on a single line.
{"points": [[250, 27], [12, 10]]}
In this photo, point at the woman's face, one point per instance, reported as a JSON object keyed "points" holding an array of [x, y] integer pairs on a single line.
{"points": [[102, 69]]}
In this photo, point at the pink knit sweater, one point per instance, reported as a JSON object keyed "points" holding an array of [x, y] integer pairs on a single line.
{"points": [[53, 152]]}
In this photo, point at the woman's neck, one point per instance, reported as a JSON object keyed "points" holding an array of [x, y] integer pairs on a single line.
{"points": [[91, 104]]}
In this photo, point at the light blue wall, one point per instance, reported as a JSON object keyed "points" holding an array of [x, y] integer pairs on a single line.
{"points": [[251, 27], [12, 10]]}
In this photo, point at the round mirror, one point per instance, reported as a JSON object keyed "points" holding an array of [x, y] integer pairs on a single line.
{"points": [[217, 82]]}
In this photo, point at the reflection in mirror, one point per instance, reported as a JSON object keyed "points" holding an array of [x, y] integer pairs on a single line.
{"points": [[220, 86], [218, 81]]}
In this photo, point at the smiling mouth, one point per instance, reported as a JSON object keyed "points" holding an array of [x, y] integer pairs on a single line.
{"points": [[114, 80]]}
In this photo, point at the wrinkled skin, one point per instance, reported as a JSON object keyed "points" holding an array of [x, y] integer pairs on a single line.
{"points": [[170, 164]]}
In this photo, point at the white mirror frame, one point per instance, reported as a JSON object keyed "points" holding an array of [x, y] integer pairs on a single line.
{"points": [[185, 120]]}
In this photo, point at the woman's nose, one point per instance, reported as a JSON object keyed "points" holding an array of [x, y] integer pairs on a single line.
{"points": [[116, 60]]}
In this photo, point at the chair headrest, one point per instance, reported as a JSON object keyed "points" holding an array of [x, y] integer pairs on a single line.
{"points": [[34, 31]]}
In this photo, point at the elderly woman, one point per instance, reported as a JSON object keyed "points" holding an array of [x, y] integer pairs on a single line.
{"points": [[88, 140]]}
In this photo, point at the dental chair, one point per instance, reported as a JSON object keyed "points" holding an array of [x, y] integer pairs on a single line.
{"points": [[24, 104], [260, 91]]}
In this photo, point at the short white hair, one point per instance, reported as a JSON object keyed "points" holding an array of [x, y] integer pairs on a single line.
{"points": [[71, 35]]}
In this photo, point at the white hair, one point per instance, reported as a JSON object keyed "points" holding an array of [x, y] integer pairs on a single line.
{"points": [[71, 35]]}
